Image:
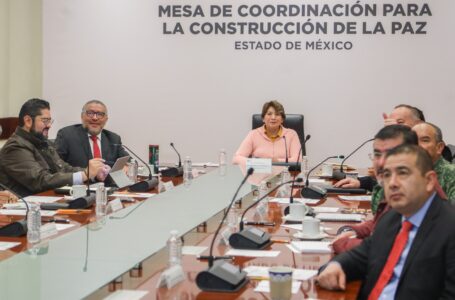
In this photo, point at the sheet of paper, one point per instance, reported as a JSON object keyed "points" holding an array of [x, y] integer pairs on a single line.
{"points": [[205, 164], [193, 250], [252, 253], [323, 209], [17, 205], [21, 212], [355, 198], [8, 245], [264, 286], [263, 272], [41, 199], [307, 200], [133, 195], [63, 226], [126, 295], [280, 200], [312, 247], [260, 165]]}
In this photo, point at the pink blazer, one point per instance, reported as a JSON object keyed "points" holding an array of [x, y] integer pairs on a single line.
{"points": [[257, 144]]}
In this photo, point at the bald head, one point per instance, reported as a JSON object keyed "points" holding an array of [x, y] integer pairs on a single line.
{"points": [[405, 115], [430, 139]]}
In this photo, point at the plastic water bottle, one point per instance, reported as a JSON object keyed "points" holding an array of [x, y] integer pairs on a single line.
{"points": [[174, 246], [187, 169], [304, 168], [285, 190], [101, 200], [133, 169], [34, 224], [222, 157]]}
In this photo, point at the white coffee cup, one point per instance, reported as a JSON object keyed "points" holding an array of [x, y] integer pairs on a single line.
{"points": [[78, 191], [311, 227], [298, 210], [280, 283], [327, 170]]}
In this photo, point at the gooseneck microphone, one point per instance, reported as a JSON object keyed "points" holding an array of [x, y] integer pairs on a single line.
{"points": [[316, 192], [144, 185], [174, 171], [253, 238], [286, 148], [222, 276], [17, 228], [340, 174], [180, 159], [291, 197]]}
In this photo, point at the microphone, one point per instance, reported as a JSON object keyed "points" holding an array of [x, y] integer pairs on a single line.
{"points": [[174, 171], [291, 198], [316, 192], [340, 174], [253, 238], [145, 185], [17, 228], [286, 148], [222, 276]]}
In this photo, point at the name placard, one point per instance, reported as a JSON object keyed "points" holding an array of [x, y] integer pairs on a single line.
{"points": [[260, 165]]}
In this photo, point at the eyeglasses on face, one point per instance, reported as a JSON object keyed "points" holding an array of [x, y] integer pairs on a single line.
{"points": [[98, 114]]}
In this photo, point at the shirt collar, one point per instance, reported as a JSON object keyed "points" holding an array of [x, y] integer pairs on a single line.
{"points": [[98, 136], [417, 218], [279, 134]]}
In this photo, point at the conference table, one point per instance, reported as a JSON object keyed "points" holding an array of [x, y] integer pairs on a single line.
{"points": [[126, 249]]}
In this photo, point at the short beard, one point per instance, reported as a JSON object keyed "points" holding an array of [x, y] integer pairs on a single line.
{"points": [[36, 134]]}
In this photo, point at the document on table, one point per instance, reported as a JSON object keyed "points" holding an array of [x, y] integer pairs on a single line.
{"points": [[252, 253], [355, 198], [8, 245], [126, 295], [41, 199], [264, 286], [193, 250], [63, 226], [323, 209], [280, 200], [307, 200], [21, 212], [311, 247], [133, 195], [263, 272]]}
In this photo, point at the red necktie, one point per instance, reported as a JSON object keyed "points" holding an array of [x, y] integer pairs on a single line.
{"points": [[96, 148], [394, 256]]}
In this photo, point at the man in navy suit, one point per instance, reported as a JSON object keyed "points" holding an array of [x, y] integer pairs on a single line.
{"points": [[77, 144], [419, 232]]}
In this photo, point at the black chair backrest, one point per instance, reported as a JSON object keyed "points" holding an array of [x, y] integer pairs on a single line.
{"points": [[293, 121]]}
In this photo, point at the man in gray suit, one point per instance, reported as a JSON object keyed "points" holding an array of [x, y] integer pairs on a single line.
{"points": [[77, 144]]}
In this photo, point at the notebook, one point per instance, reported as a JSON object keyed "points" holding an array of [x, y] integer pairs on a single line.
{"points": [[340, 217]]}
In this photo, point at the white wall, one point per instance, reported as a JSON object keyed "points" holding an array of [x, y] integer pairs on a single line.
{"points": [[199, 92], [20, 54]]}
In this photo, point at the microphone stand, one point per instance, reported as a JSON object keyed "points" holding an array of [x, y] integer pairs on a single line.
{"points": [[145, 185], [222, 276], [253, 238], [174, 171], [315, 192], [340, 174]]}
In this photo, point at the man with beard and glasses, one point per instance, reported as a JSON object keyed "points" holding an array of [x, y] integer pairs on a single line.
{"points": [[29, 163], [77, 144]]}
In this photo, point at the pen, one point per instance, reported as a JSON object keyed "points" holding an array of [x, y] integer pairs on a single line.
{"points": [[73, 211], [260, 223], [217, 257], [62, 221], [258, 278], [280, 241]]}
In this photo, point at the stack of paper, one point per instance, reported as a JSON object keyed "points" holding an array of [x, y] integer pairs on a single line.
{"points": [[263, 272], [311, 247], [355, 198]]}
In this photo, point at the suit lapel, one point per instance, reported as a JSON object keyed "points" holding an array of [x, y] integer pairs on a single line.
{"points": [[424, 231], [83, 135], [105, 146]]}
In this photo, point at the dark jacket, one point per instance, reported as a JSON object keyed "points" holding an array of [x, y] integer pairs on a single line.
{"points": [[73, 146], [429, 270], [30, 165]]}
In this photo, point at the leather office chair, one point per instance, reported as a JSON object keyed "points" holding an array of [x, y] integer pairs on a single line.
{"points": [[293, 121], [449, 153]]}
